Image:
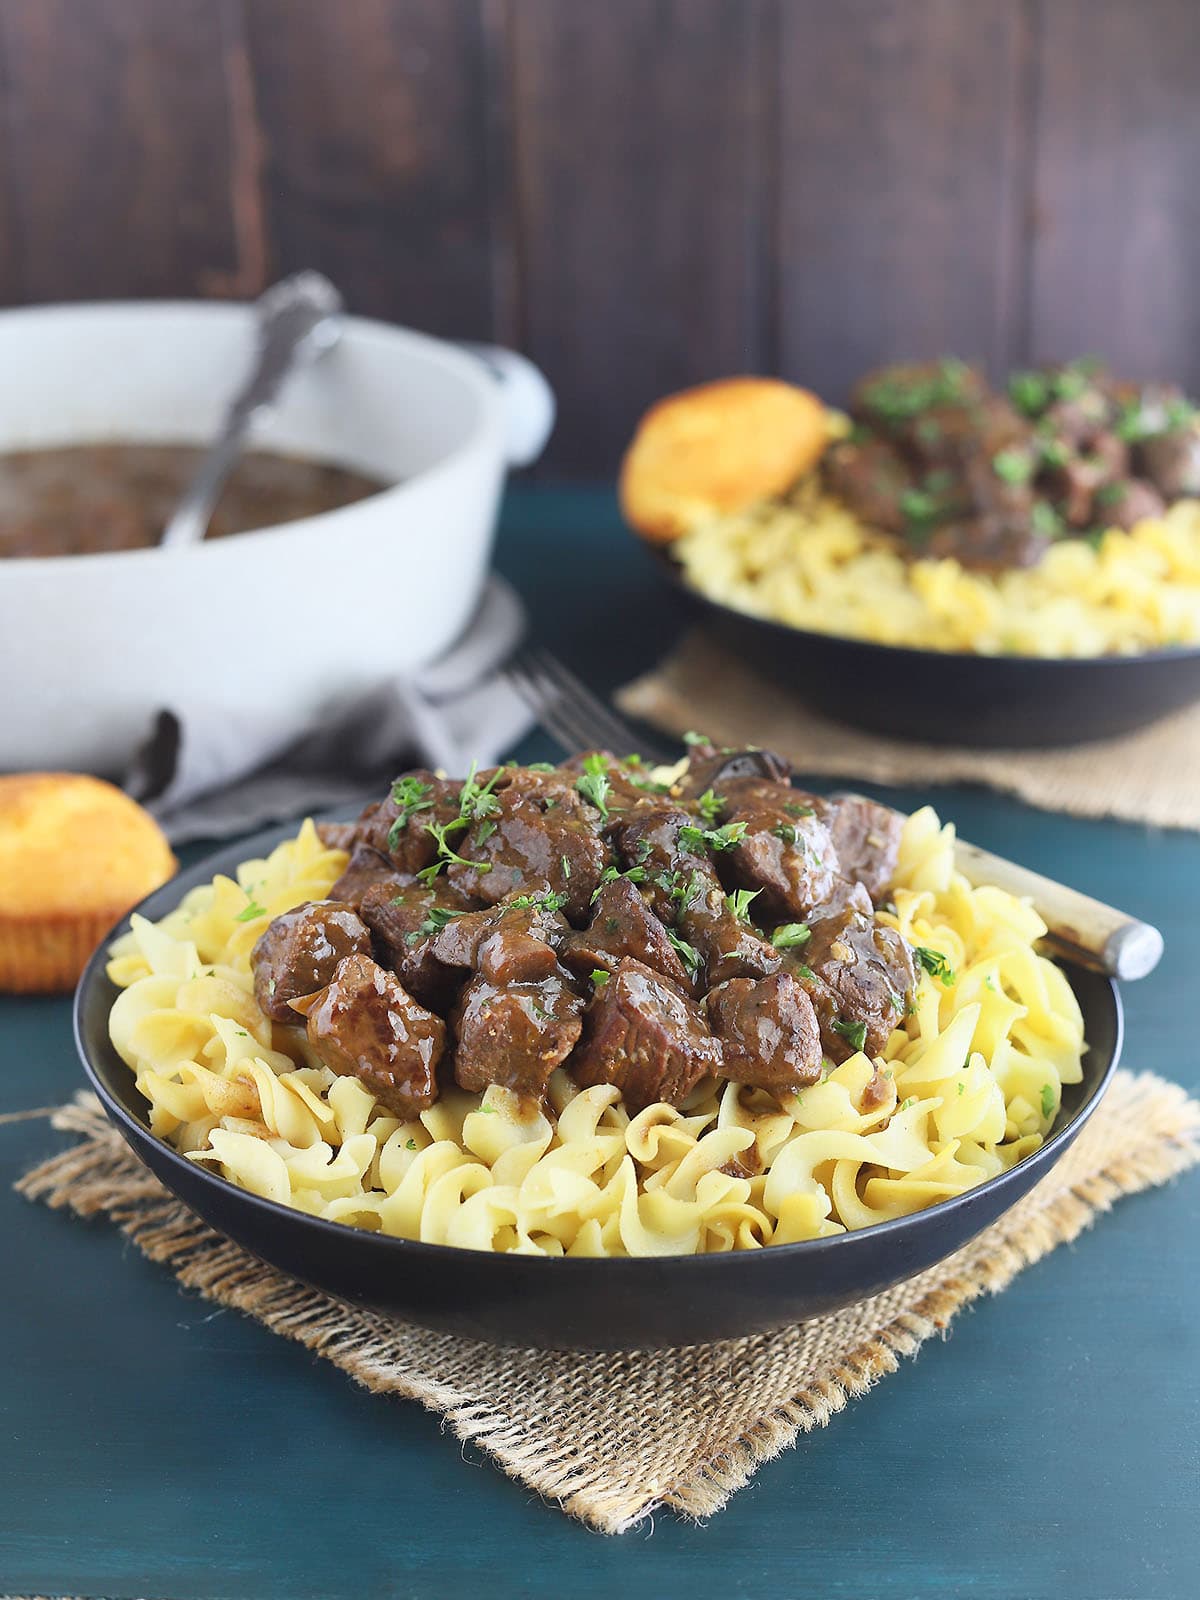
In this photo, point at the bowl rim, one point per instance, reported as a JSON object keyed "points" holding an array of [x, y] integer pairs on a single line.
{"points": [[463, 366], [136, 1131], [895, 656]]}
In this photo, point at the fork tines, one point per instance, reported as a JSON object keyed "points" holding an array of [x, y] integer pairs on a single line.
{"points": [[568, 710]]}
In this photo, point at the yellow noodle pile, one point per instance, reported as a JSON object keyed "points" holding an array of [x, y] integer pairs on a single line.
{"points": [[974, 1080], [811, 563]]}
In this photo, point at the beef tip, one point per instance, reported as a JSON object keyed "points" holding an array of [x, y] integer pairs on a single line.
{"points": [[714, 769], [405, 920], [765, 794], [672, 870], [1077, 421], [516, 1035], [364, 870], [728, 946], [768, 1031], [339, 835], [509, 944], [792, 860], [541, 837], [623, 925], [992, 490], [623, 784], [365, 1025], [645, 1035], [1127, 502], [1075, 484], [866, 836], [857, 972], [893, 397], [990, 542], [1172, 462], [398, 827], [300, 950], [874, 480]]}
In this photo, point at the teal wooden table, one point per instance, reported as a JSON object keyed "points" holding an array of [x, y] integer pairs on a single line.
{"points": [[152, 1447]]}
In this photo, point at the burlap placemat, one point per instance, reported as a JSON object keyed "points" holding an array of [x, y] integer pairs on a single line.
{"points": [[607, 1437], [1150, 776]]}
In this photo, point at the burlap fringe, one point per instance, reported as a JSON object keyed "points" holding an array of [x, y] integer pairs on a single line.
{"points": [[551, 1419]]}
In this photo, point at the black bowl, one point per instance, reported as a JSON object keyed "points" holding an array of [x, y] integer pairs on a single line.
{"points": [[573, 1303], [940, 697]]}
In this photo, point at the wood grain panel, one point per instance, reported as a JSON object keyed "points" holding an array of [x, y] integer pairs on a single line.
{"points": [[900, 166], [639, 173], [118, 144], [1116, 257], [375, 122]]}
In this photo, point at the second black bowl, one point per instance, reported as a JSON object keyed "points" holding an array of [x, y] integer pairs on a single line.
{"points": [[940, 697]]}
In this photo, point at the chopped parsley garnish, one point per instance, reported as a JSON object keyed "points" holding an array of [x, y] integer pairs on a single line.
{"points": [[905, 1105], [252, 909], [710, 805], [476, 800], [1047, 1099], [565, 864], [962, 1088], [686, 952], [410, 795], [1014, 466], [611, 874], [807, 972], [795, 809], [593, 784], [599, 977], [535, 902], [490, 1111], [541, 766], [437, 919], [1046, 520], [1054, 452], [683, 890], [920, 509], [854, 1033], [1110, 494], [935, 964], [1029, 392], [789, 934], [740, 901], [691, 738], [787, 832], [712, 838], [411, 1144], [446, 853]]}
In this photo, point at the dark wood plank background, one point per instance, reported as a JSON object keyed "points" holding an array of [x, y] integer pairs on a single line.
{"points": [[638, 193]]}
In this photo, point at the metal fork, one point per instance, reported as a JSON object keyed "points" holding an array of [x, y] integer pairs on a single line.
{"points": [[568, 710], [1080, 928]]}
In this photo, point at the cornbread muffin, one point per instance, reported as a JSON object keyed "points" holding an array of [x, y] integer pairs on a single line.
{"points": [[75, 854], [711, 450]]}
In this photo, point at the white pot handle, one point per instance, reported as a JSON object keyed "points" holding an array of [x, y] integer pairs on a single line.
{"points": [[529, 405]]}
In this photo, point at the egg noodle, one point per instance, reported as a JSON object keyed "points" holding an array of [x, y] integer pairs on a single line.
{"points": [[971, 1083], [808, 561]]}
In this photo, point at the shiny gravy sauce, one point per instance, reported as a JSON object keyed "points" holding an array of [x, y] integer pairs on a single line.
{"points": [[80, 499]]}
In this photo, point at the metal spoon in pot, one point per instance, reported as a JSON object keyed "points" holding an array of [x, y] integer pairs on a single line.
{"points": [[299, 319]]}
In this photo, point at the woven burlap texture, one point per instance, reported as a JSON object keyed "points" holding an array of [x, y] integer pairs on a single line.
{"points": [[612, 1437], [1150, 776]]}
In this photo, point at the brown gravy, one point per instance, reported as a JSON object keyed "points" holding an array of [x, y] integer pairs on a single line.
{"points": [[85, 498]]}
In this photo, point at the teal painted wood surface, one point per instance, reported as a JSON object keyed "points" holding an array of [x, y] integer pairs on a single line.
{"points": [[152, 1447]]}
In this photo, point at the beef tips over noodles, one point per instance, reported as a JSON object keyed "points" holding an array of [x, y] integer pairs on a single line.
{"points": [[586, 916]]}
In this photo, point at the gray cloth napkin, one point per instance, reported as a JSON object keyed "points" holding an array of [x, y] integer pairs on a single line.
{"points": [[207, 772]]}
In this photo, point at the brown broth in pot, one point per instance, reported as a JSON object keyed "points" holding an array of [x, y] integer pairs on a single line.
{"points": [[80, 499]]}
